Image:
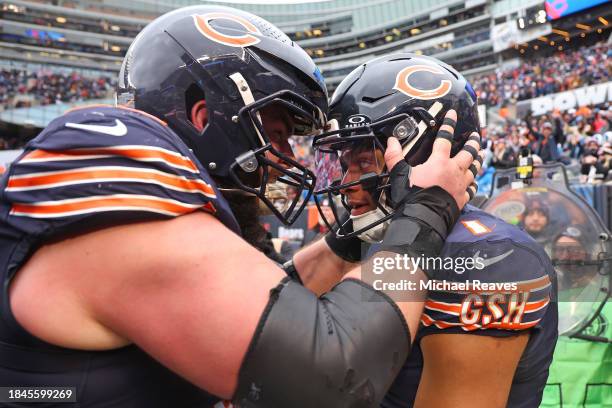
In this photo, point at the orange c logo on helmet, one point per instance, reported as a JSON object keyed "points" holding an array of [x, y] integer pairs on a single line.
{"points": [[403, 85], [202, 23]]}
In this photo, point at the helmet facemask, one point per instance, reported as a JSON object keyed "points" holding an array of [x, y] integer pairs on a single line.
{"points": [[350, 165], [267, 169]]}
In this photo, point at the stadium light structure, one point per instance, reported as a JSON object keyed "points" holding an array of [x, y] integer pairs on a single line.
{"points": [[560, 32]]}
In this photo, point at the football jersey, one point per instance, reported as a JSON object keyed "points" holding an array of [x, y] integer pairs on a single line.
{"points": [[93, 168], [509, 287]]}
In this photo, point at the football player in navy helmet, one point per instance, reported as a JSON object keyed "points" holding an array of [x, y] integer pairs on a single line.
{"points": [[125, 270], [489, 324]]}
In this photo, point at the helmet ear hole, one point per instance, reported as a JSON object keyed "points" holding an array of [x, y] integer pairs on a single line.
{"points": [[193, 95]]}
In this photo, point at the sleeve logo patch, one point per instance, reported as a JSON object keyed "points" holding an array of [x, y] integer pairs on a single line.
{"points": [[476, 227]]}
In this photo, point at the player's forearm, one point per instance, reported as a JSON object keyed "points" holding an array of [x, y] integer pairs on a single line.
{"points": [[302, 330], [319, 268], [410, 301]]}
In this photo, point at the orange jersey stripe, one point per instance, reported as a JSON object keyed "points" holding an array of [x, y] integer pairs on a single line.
{"points": [[536, 305], [441, 324], [100, 174], [443, 307], [105, 203], [511, 325], [426, 320], [144, 153], [210, 207]]}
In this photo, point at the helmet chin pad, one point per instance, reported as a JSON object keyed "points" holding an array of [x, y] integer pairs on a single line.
{"points": [[374, 234]]}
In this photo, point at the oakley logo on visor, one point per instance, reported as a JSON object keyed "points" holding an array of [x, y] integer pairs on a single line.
{"points": [[402, 83], [357, 120], [202, 23]]}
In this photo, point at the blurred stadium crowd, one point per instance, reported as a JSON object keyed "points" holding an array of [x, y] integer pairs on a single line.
{"points": [[560, 72], [20, 88], [582, 137]]}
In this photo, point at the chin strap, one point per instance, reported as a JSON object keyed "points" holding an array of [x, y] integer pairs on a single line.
{"points": [[376, 233]]}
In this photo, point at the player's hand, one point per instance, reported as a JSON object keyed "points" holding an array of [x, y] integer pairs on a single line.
{"points": [[455, 175]]}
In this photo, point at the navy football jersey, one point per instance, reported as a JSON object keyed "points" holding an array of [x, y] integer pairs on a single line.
{"points": [[93, 168], [511, 287]]}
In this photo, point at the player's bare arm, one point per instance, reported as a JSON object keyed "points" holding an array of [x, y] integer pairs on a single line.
{"points": [[180, 304], [451, 357], [319, 267]]}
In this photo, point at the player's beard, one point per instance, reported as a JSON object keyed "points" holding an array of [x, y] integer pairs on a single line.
{"points": [[246, 210]]}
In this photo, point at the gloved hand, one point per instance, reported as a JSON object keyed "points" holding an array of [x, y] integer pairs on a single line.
{"points": [[454, 174], [349, 249], [426, 212]]}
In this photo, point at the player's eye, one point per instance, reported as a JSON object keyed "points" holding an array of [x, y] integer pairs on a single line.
{"points": [[365, 164]]}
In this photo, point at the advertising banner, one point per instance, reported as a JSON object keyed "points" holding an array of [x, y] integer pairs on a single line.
{"points": [[507, 35], [560, 8], [564, 101]]}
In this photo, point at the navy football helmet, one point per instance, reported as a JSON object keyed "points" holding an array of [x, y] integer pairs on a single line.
{"points": [[239, 64], [402, 95]]}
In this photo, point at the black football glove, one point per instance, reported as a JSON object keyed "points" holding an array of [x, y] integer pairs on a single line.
{"points": [[349, 249], [423, 217]]}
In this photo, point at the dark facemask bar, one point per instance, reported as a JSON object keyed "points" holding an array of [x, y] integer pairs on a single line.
{"points": [[372, 182], [297, 176], [290, 100], [345, 229], [303, 180]]}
